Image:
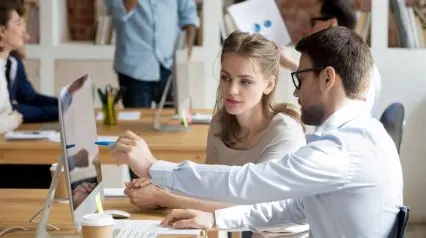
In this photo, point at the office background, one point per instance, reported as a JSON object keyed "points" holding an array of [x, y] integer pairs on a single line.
{"points": [[53, 61]]}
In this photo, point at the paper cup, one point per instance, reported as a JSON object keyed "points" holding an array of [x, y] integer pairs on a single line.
{"points": [[97, 225], [61, 188]]}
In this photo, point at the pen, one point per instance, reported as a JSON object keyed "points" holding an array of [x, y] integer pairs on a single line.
{"points": [[105, 143]]}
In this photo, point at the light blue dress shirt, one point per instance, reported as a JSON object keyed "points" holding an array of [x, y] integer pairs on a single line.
{"points": [[146, 36], [346, 182]]}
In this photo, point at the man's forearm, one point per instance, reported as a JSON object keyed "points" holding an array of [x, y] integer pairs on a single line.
{"points": [[171, 200], [129, 4]]}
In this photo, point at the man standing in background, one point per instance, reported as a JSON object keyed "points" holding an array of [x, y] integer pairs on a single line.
{"points": [[331, 13], [146, 33]]}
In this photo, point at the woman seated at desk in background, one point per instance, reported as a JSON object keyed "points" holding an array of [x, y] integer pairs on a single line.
{"points": [[247, 126], [18, 99]]}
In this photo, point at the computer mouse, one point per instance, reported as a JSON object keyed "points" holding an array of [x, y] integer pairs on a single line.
{"points": [[117, 214]]}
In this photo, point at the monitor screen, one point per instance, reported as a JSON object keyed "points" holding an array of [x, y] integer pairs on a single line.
{"points": [[78, 135]]}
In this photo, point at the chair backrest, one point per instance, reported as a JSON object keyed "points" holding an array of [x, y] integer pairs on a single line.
{"points": [[393, 121], [402, 221]]}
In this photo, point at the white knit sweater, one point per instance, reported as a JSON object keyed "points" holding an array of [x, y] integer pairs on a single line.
{"points": [[8, 120]]}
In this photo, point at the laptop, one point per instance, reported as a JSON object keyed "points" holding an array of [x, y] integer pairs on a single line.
{"points": [[83, 170]]}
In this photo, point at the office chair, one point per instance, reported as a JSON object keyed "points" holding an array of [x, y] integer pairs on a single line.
{"points": [[393, 121], [402, 221]]}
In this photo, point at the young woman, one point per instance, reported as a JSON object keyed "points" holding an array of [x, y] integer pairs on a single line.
{"points": [[247, 126], [33, 106], [12, 35], [18, 100]]}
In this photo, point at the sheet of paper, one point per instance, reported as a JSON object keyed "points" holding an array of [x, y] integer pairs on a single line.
{"points": [[154, 225], [114, 192], [122, 116], [29, 135], [260, 16], [170, 231], [291, 229]]}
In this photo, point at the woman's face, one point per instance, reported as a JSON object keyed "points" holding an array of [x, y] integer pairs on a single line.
{"points": [[242, 84], [14, 34]]}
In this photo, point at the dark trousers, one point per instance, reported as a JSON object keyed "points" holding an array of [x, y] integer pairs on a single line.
{"points": [[24, 176], [140, 94]]}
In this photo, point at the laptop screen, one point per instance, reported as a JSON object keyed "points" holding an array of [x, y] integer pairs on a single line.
{"points": [[78, 127]]}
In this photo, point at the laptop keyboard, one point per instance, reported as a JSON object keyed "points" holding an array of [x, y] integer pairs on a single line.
{"points": [[130, 229]]}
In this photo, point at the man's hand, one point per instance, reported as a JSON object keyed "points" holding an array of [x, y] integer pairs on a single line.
{"points": [[132, 150], [147, 197], [81, 192], [129, 4], [189, 219], [81, 159]]}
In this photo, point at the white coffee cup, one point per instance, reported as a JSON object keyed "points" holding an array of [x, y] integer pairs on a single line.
{"points": [[97, 225], [61, 188]]}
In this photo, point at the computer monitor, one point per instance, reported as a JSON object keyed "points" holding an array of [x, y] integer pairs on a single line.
{"points": [[80, 153]]}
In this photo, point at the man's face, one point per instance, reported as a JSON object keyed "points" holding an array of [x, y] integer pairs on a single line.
{"points": [[308, 92]]}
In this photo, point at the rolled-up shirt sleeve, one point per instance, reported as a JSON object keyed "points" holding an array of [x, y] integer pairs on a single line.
{"points": [[261, 216], [319, 167], [117, 11], [187, 12]]}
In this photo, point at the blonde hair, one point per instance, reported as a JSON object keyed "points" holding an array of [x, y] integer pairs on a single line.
{"points": [[267, 55]]}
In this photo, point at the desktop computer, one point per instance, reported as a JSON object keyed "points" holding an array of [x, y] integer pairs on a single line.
{"points": [[179, 83], [82, 167]]}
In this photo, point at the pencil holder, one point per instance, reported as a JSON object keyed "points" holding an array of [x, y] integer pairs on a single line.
{"points": [[110, 113]]}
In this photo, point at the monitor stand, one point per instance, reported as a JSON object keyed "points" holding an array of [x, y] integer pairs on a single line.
{"points": [[42, 231]]}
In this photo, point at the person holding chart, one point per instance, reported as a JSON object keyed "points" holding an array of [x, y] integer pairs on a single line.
{"points": [[331, 13]]}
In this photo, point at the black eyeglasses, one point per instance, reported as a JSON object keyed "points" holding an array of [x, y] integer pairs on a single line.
{"points": [[295, 75], [321, 18]]}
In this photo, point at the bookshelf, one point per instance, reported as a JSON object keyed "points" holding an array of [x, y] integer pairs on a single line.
{"points": [[403, 74], [61, 60]]}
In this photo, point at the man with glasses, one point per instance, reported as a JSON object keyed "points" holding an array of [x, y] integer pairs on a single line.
{"points": [[330, 13], [345, 182]]}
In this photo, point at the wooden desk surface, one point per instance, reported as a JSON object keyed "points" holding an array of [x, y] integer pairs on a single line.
{"points": [[172, 146], [17, 206]]}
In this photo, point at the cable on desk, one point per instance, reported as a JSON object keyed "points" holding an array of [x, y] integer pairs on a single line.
{"points": [[12, 229]]}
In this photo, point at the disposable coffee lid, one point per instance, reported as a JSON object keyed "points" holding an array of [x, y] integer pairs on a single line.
{"points": [[97, 219]]}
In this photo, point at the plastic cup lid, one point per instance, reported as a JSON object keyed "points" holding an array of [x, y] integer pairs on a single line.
{"points": [[97, 219]]}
